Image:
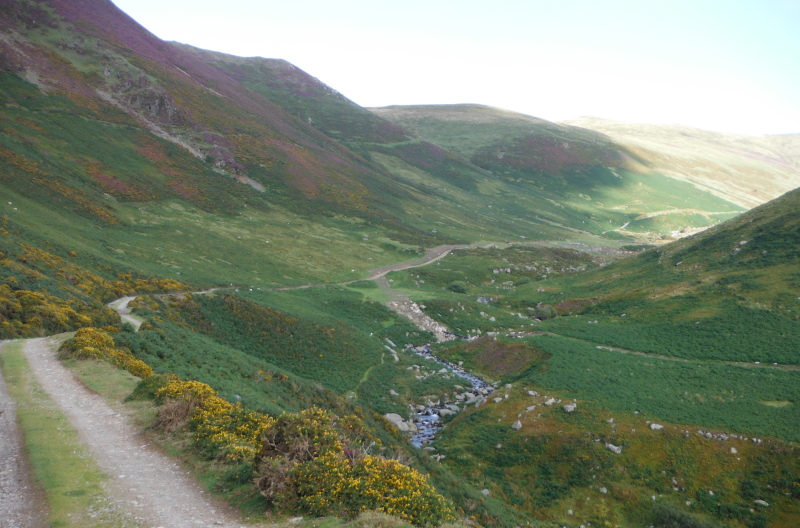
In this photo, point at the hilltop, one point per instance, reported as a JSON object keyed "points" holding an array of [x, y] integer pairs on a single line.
{"points": [[253, 211], [747, 170]]}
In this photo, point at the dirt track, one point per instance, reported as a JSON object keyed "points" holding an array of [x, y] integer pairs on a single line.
{"points": [[150, 486], [121, 306]]}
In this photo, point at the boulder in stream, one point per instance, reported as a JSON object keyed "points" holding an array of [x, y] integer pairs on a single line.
{"points": [[397, 420]]}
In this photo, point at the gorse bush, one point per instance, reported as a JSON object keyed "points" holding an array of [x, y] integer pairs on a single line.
{"points": [[146, 389], [303, 436], [457, 287], [42, 293], [311, 460], [234, 434], [333, 484], [309, 463], [27, 313], [221, 429], [91, 343]]}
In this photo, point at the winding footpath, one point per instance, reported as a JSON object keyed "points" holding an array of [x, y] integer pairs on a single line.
{"points": [[121, 307], [378, 274], [150, 487]]}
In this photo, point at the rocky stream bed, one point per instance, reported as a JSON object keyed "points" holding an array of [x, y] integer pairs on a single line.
{"points": [[427, 420]]}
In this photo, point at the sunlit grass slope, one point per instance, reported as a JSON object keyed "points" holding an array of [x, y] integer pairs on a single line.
{"points": [[582, 178]]}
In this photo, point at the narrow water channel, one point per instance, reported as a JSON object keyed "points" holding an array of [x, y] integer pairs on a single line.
{"points": [[429, 420]]}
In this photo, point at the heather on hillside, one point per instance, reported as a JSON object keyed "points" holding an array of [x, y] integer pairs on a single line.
{"points": [[637, 330]]}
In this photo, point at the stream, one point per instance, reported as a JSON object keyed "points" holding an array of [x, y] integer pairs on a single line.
{"points": [[429, 419]]}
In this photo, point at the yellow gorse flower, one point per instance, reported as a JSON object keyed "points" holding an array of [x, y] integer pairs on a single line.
{"points": [[228, 430], [92, 343]]}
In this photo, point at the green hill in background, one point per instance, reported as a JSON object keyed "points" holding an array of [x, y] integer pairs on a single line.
{"points": [[609, 265]]}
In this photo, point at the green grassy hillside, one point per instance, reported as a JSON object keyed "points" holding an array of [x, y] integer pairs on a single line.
{"points": [[747, 171], [613, 188], [699, 336], [131, 166]]}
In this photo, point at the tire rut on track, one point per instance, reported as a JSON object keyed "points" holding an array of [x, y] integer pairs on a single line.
{"points": [[19, 500]]}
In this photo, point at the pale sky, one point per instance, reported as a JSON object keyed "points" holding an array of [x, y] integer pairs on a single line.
{"points": [[730, 66]]}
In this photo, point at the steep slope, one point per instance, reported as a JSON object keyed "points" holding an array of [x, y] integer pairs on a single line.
{"points": [[109, 130], [609, 171], [660, 387], [751, 260], [131, 166], [304, 96], [746, 170], [545, 175], [105, 61], [106, 129]]}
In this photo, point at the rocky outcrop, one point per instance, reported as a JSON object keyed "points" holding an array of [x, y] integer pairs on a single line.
{"points": [[402, 425]]}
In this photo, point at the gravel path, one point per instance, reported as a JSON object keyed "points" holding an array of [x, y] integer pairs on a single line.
{"points": [[121, 306], [18, 499], [150, 485], [432, 255]]}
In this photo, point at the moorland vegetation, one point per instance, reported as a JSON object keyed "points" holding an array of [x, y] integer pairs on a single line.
{"points": [[243, 203]]}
